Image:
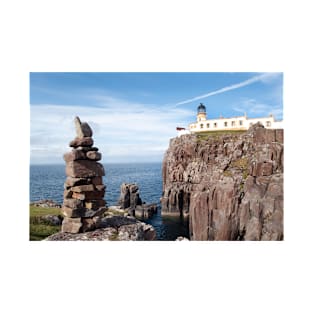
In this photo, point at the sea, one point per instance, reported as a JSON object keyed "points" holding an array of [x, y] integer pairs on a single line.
{"points": [[47, 181]]}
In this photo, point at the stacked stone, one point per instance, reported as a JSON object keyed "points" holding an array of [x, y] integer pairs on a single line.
{"points": [[83, 189]]}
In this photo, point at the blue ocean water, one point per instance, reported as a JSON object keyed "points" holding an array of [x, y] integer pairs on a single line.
{"points": [[46, 182]]}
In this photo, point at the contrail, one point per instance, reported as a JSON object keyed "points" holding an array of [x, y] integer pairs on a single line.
{"points": [[231, 87]]}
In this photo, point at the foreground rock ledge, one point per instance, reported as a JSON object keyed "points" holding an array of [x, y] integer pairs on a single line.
{"points": [[117, 228]]}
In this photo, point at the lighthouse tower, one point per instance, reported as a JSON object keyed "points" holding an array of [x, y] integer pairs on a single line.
{"points": [[201, 116]]}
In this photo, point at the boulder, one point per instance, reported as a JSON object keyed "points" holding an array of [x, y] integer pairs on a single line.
{"points": [[93, 155], [82, 129], [71, 225], [129, 196], [74, 155], [81, 142], [84, 168], [82, 188]]}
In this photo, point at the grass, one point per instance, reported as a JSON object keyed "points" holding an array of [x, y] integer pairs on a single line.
{"points": [[216, 133], [241, 164], [38, 211], [39, 230]]}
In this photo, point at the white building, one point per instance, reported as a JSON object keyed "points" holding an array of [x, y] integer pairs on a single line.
{"points": [[232, 123]]}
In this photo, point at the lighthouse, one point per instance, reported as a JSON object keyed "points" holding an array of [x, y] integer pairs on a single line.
{"points": [[201, 116]]}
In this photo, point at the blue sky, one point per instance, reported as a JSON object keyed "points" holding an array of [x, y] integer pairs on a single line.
{"points": [[134, 115]]}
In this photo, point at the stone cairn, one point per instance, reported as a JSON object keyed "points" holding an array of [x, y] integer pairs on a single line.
{"points": [[83, 202]]}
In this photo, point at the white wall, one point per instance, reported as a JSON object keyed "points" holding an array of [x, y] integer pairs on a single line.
{"points": [[246, 122]]}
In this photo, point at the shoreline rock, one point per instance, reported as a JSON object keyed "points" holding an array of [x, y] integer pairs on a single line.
{"points": [[45, 203], [116, 228]]}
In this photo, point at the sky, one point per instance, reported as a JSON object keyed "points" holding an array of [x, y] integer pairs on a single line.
{"points": [[134, 115]]}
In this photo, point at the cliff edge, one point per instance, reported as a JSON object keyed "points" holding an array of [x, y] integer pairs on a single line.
{"points": [[231, 185]]}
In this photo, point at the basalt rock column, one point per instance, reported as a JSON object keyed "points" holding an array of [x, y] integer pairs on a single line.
{"points": [[83, 189], [129, 197]]}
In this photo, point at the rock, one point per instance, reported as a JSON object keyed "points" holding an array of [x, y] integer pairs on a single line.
{"points": [[129, 197], [74, 155], [180, 238], [230, 185], [96, 180], [73, 203], [83, 188], [72, 212], [86, 149], [82, 129], [71, 181], [88, 224], [53, 220], [93, 155], [81, 142], [92, 204], [84, 168], [109, 228], [45, 204], [67, 194], [71, 225], [100, 187]]}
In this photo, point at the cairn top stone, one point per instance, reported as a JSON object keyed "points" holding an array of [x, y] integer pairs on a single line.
{"points": [[82, 128]]}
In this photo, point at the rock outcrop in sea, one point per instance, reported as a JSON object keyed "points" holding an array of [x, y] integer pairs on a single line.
{"points": [[230, 185], [83, 189], [130, 200]]}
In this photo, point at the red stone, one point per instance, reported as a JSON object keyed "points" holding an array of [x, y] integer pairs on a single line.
{"points": [[93, 155], [79, 196], [94, 195], [82, 188], [100, 187], [81, 142], [72, 212], [94, 204], [74, 155], [280, 135], [260, 135], [264, 169], [270, 135], [96, 180], [73, 203], [67, 194], [71, 225], [71, 181], [84, 168]]}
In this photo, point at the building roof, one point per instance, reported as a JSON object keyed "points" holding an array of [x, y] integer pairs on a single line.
{"points": [[201, 108]]}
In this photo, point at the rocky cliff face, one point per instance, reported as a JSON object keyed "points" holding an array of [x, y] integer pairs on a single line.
{"points": [[231, 185]]}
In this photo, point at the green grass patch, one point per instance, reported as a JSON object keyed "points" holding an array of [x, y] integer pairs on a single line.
{"points": [[216, 133], [241, 164], [39, 229], [38, 211]]}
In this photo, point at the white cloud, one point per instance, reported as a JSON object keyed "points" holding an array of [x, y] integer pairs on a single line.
{"points": [[255, 109], [267, 77], [122, 130]]}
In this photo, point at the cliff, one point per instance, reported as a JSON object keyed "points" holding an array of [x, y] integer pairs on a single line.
{"points": [[231, 185]]}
